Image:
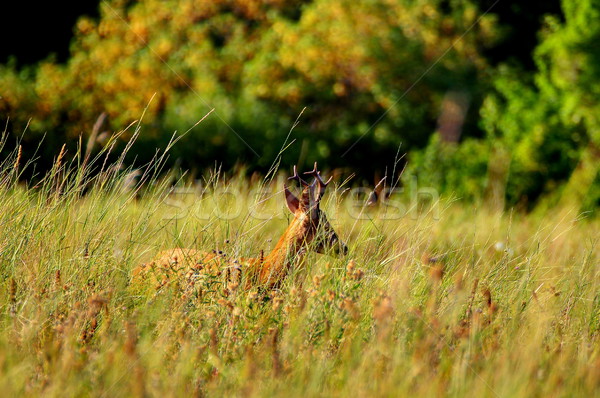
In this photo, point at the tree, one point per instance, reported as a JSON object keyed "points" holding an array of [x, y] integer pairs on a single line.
{"points": [[353, 64]]}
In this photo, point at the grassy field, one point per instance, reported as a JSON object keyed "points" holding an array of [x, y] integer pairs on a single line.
{"points": [[458, 301]]}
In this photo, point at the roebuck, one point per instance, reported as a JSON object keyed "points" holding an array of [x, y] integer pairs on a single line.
{"points": [[309, 230]]}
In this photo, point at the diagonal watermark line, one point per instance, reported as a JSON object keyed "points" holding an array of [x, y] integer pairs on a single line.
{"points": [[177, 74], [408, 90]]}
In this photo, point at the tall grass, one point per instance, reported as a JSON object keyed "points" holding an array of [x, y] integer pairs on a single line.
{"points": [[475, 302]]}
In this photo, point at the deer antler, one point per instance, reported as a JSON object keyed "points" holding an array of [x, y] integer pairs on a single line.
{"points": [[317, 175], [298, 178]]}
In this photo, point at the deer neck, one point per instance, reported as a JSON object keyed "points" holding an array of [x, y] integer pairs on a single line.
{"points": [[290, 250]]}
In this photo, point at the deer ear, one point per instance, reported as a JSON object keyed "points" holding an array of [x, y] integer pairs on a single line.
{"points": [[291, 201]]}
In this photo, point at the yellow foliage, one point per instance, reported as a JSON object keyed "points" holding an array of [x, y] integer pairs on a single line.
{"points": [[346, 57]]}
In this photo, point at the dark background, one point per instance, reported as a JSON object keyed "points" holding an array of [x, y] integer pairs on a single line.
{"points": [[35, 30]]}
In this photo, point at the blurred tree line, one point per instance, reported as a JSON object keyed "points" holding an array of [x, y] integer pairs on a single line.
{"points": [[486, 108]]}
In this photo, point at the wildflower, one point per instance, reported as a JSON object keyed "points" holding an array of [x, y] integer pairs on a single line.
{"points": [[358, 275], [317, 280], [350, 267], [330, 295], [225, 303]]}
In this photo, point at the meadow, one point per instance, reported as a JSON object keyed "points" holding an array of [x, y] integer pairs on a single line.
{"points": [[446, 299]]}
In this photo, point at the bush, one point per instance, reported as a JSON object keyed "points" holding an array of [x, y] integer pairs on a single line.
{"points": [[460, 170]]}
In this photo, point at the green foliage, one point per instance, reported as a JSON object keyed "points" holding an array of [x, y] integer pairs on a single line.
{"points": [[551, 125], [543, 151], [457, 169], [543, 128]]}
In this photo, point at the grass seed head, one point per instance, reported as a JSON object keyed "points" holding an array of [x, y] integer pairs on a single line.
{"points": [[317, 280], [61, 155], [13, 291], [350, 267], [18, 160], [57, 278], [12, 296]]}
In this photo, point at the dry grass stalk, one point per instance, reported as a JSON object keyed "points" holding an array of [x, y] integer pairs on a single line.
{"points": [[12, 296], [469, 311], [18, 160], [57, 280], [93, 137], [213, 342], [275, 355], [131, 339], [61, 155]]}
